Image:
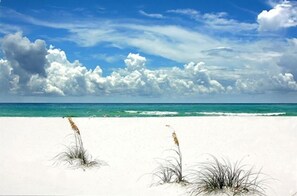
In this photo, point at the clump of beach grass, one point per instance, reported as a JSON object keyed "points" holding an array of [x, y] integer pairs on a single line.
{"points": [[171, 170], [217, 176], [76, 155]]}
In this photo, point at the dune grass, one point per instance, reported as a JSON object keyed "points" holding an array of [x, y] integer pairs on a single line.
{"points": [[171, 170], [223, 177], [76, 155], [210, 177]]}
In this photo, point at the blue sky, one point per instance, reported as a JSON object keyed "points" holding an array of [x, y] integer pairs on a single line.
{"points": [[148, 51]]}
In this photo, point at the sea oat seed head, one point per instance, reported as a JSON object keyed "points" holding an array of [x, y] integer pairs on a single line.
{"points": [[175, 138], [73, 126]]}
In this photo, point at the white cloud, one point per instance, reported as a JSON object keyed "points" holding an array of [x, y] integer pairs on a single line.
{"points": [[6, 28], [222, 51], [280, 83], [135, 62], [216, 21], [282, 15], [150, 15], [190, 12], [229, 63], [8, 80], [168, 41], [248, 85], [173, 41], [227, 59], [25, 56], [22, 59], [285, 82], [72, 79], [65, 78]]}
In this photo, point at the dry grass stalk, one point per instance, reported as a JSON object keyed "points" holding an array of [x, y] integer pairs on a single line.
{"points": [[73, 126], [175, 138], [78, 139], [76, 155], [171, 171]]}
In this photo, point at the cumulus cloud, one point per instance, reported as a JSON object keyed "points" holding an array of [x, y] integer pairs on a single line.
{"points": [[285, 82], [25, 57], [64, 78], [282, 82], [8, 80], [135, 62], [193, 78], [282, 15]]}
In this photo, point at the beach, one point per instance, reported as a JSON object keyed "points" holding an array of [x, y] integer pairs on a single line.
{"points": [[132, 147]]}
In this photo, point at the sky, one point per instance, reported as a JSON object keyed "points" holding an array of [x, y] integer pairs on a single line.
{"points": [[148, 51]]}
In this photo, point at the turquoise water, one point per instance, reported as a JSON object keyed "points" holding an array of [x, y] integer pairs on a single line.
{"points": [[143, 110]]}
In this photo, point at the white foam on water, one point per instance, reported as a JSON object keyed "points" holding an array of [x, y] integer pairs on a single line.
{"points": [[241, 114], [132, 111], [158, 113]]}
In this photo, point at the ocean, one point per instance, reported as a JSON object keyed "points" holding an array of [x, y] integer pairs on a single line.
{"points": [[143, 110]]}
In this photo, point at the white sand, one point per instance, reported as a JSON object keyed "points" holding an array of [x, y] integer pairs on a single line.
{"points": [[131, 147]]}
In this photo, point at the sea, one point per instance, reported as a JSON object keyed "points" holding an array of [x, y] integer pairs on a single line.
{"points": [[143, 109]]}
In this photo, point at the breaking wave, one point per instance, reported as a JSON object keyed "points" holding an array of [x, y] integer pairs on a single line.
{"points": [[152, 113]]}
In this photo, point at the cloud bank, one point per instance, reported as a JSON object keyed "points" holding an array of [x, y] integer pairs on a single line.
{"points": [[30, 68], [51, 73]]}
